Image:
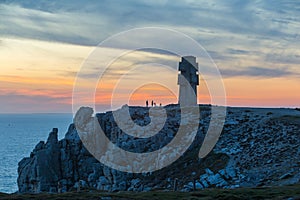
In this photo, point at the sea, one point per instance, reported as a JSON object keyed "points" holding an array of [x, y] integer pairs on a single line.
{"points": [[19, 133]]}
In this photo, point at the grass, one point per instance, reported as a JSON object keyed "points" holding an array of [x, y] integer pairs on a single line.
{"points": [[283, 192]]}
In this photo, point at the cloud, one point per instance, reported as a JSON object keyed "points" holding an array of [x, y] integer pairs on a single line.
{"points": [[283, 58], [66, 27], [88, 23], [259, 72], [239, 51], [225, 28], [20, 104], [245, 38]]}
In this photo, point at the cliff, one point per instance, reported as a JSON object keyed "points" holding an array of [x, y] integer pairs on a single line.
{"points": [[257, 147]]}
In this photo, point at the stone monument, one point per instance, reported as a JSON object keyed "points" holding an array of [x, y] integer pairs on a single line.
{"points": [[188, 80]]}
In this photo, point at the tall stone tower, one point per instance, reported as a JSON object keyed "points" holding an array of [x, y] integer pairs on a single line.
{"points": [[188, 80]]}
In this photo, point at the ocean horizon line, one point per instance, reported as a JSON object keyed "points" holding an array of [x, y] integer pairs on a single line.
{"points": [[70, 113]]}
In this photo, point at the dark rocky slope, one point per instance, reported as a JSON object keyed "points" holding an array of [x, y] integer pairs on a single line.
{"points": [[257, 147]]}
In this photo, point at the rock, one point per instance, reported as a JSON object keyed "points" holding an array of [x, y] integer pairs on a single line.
{"points": [[39, 146], [199, 185], [230, 172], [63, 186], [231, 122], [190, 184], [135, 183], [252, 153], [122, 185], [103, 180], [209, 172], [82, 117], [52, 138], [72, 134], [83, 184], [41, 172], [92, 177], [107, 173], [53, 190], [223, 173], [203, 180], [216, 180], [285, 176], [187, 188], [269, 161]]}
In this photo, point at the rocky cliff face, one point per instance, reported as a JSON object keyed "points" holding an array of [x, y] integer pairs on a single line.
{"points": [[257, 147]]}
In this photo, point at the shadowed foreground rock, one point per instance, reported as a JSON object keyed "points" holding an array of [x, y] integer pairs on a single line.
{"points": [[257, 147]]}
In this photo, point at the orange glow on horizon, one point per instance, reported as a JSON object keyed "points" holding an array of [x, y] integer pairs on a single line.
{"points": [[272, 92], [155, 92], [49, 71]]}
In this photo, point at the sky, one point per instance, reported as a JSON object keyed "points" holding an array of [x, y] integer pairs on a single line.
{"points": [[43, 45]]}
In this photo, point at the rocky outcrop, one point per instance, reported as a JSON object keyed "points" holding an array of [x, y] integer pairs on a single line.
{"points": [[42, 170], [257, 147]]}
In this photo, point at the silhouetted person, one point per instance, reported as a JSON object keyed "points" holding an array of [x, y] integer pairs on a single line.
{"points": [[160, 105], [152, 103], [147, 103]]}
